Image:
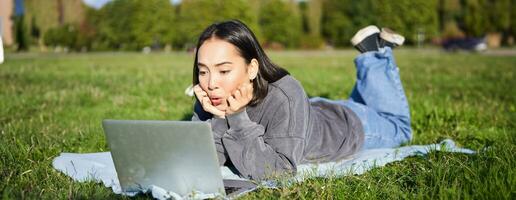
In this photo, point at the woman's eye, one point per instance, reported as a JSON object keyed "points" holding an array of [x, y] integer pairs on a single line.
{"points": [[224, 71], [202, 73]]}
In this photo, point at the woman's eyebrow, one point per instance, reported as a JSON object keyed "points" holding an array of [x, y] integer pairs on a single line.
{"points": [[216, 65], [223, 63]]}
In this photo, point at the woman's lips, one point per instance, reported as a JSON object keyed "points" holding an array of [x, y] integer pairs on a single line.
{"points": [[216, 101]]}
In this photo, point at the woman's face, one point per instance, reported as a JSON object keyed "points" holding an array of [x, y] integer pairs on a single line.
{"points": [[221, 70]]}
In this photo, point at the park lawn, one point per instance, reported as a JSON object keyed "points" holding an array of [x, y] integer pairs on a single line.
{"points": [[53, 103]]}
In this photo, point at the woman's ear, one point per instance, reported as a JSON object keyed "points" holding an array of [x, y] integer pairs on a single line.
{"points": [[253, 69]]}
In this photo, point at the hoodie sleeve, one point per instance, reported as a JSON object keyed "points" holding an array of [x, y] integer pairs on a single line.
{"points": [[258, 152], [218, 125]]}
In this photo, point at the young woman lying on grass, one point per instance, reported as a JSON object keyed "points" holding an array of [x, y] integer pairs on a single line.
{"points": [[263, 122]]}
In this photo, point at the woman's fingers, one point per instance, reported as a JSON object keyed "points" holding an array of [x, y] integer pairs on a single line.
{"points": [[197, 88], [203, 98], [205, 102], [233, 103], [236, 101], [246, 93], [199, 93], [240, 97]]}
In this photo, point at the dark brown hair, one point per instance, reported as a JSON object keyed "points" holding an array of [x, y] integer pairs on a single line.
{"points": [[238, 34]]}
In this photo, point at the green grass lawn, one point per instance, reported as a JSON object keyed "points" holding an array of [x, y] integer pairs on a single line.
{"points": [[53, 103]]}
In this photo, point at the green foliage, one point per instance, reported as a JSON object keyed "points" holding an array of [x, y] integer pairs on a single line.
{"points": [[311, 13], [342, 19], [34, 29], [314, 14], [483, 16], [21, 31], [450, 14], [499, 14], [65, 36], [72, 36], [196, 15], [451, 10], [476, 18], [134, 24], [417, 20], [337, 25], [280, 22], [512, 27], [45, 14]]}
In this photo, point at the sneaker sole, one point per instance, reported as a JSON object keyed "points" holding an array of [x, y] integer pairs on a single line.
{"points": [[392, 37], [363, 33]]}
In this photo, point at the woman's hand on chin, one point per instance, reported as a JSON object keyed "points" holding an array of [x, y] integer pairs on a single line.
{"points": [[202, 96], [240, 98]]}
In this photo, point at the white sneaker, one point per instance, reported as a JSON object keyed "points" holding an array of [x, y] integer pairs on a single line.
{"points": [[390, 38], [366, 39]]}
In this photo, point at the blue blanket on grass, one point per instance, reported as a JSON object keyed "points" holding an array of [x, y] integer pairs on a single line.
{"points": [[99, 167]]}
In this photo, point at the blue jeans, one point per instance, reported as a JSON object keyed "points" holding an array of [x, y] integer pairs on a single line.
{"points": [[379, 101]]}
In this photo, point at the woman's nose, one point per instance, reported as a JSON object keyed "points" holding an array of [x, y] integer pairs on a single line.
{"points": [[213, 83]]}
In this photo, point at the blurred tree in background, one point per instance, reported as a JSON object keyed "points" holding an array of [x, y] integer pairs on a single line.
{"points": [[416, 19], [35, 32], [476, 19], [511, 32], [412, 18], [342, 18], [311, 13], [196, 15], [487, 15], [281, 23], [21, 33], [134, 24], [450, 14], [49, 14], [65, 36]]}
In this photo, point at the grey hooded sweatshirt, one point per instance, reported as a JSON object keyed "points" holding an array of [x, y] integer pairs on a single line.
{"points": [[282, 131]]}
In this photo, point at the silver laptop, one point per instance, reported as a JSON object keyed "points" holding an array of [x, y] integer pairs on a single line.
{"points": [[177, 156]]}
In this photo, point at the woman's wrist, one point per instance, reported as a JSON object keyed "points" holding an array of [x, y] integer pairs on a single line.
{"points": [[219, 117], [230, 112], [238, 119]]}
